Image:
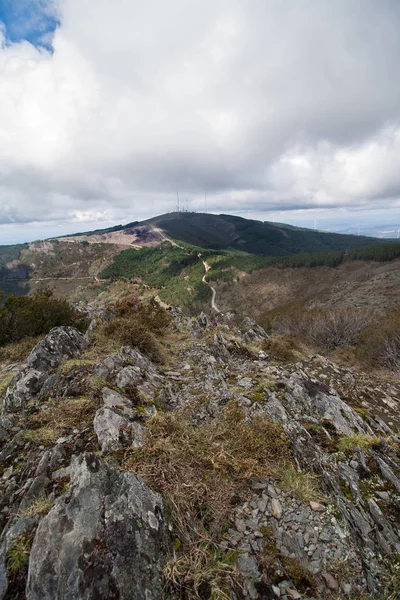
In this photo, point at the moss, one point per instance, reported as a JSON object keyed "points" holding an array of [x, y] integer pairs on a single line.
{"points": [[257, 396], [42, 435], [347, 492], [343, 571], [363, 412], [76, 363]]}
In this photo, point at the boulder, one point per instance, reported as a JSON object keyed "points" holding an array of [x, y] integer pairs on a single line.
{"points": [[61, 344], [104, 538]]}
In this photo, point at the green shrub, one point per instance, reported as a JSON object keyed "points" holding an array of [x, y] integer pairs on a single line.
{"points": [[28, 316]]}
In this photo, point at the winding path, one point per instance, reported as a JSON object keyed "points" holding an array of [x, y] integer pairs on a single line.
{"points": [[204, 280]]}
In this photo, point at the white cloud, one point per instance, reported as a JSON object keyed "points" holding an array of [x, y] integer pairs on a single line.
{"points": [[264, 104]]}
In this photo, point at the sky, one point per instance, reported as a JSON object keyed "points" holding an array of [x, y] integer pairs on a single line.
{"points": [[285, 110]]}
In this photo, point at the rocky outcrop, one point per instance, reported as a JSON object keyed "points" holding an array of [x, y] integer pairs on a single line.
{"points": [[61, 344], [104, 538], [106, 535]]}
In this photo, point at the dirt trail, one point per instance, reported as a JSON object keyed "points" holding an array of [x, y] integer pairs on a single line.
{"points": [[214, 293]]}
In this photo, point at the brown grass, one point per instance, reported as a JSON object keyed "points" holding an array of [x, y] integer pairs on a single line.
{"points": [[46, 426], [67, 414], [280, 347], [18, 351], [4, 381], [202, 472]]}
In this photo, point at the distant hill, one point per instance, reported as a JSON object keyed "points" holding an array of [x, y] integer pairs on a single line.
{"points": [[220, 232], [255, 237]]}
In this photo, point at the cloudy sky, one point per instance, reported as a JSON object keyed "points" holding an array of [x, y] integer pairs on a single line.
{"points": [[279, 109]]}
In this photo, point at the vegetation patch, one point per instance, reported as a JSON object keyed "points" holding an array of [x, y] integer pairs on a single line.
{"points": [[303, 486], [4, 381], [280, 347], [202, 473], [347, 443], [18, 554], [29, 316], [43, 435], [326, 328], [379, 344], [40, 506], [18, 351], [134, 323], [63, 416]]}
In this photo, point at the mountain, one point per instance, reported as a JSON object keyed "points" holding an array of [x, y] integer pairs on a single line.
{"points": [[226, 231]]}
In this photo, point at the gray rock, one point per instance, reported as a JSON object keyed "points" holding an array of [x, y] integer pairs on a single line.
{"points": [[23, 388], [128, 377], [109, 424], [113, 399], [204, 321], [245, 383], [104, 538], [61, 344]]}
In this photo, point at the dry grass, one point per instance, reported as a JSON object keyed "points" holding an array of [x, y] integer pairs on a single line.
{"points": [[203, 573], [303, 486], [4, 381], [42, 435], [67, 414], [202, 473], [46, 426], [75, 363], [18, 351], [281, 347], [347, 443], [40, 506]]}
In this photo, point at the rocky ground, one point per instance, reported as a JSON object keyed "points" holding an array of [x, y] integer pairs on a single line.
{"points": [[77, 524]]}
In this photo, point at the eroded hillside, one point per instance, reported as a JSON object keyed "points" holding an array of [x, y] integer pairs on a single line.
{"points": [[270, 291]]}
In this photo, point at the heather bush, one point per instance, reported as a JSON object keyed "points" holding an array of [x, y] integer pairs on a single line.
{"points": [[134, 323]]}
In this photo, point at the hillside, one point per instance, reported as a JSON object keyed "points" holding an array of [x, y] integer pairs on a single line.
{"points": [[71, 264], [255, 237], [227, 231]]}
